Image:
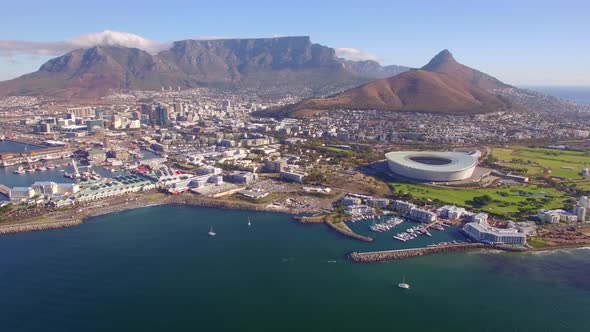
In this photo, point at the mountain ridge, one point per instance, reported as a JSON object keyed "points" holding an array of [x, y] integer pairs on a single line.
{"points": [[248, 62], [441, 86]]}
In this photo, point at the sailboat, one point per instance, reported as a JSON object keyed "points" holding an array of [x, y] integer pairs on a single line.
{"points": [[211, 232], [249, 223], [403, 284]]}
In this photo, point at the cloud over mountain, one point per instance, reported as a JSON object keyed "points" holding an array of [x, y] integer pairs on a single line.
{"points": [[355, 54], [104, 38]]}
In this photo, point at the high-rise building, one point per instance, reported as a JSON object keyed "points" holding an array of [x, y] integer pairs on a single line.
{"points": [[44, 128], [81, 112], [179, 108], [146, 109], [161, 115], [226, 105]]}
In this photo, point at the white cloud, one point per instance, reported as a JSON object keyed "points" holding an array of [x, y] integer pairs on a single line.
{"points": [[355, 54], [107, 38], [116, 38]]}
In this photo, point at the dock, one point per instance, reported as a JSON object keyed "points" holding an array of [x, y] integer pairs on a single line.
{"points": [[390, 255]]}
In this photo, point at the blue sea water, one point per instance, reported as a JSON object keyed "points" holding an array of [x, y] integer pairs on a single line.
{"points": [[155, 269], [578, 94]]}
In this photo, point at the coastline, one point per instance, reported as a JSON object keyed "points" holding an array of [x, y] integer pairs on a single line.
{"points": [[76, 216]]}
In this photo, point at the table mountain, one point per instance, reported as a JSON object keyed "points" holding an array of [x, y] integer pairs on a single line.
{"points": [[264, 63]]}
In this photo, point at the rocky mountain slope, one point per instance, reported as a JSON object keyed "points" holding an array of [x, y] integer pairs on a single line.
{"points": [[264, 63], [442, 86]]}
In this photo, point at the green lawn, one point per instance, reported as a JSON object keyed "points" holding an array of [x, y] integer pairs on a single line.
{"points": [[505, 200], [340, 151], [535, 159]]}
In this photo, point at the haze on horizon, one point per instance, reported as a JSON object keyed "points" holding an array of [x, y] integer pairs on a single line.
{"points": [[522, 43]]}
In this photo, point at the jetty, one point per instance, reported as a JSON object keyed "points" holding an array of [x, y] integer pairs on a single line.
{"points": [[12, 229], [390, 255]]}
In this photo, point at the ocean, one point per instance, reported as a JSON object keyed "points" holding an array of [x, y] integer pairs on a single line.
{"points": [[578, 94], [155, 269]]}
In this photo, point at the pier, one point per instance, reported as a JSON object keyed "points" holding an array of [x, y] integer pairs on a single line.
{"points": [[390, 255]]}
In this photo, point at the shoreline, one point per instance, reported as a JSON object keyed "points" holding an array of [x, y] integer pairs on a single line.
{"points": [[84, 213], [81, 214]]}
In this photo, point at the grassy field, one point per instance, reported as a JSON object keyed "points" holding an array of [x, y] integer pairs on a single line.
{"points": [[567, 164], [504, 201]]}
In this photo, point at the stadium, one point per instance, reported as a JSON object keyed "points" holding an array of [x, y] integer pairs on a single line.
{"points": [[432, 165]]}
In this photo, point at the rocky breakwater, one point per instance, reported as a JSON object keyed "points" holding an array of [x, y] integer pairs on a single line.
{"points": [[11, 229], [389, 255], [348, 232]]}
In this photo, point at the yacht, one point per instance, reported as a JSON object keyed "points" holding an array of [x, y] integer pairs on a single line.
{"points": [[403, 284], [19, 170], [211, 232]]}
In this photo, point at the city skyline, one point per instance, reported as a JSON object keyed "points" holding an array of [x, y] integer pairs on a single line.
{"points": [[529, 43]]}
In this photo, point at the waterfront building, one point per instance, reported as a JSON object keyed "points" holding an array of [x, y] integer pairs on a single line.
{"points": [[117, 186], [360, 209], [422, 215], [45, 187], [21, 193], [581, 212], [348, 201], [555, 216], [483, 232], [581, 208], [254, 193], [403, 206], [451, 212], [378, 202], [480, 217]]}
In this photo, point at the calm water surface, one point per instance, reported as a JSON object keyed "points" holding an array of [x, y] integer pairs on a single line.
{"points": [[155, 269]]}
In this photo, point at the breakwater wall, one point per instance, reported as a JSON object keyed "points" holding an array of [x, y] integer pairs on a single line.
{"points": [[350, 234], [389, 255], [11, 229]]}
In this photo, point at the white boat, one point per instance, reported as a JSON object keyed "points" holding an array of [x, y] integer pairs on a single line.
{"points": [[211, 232], [403, 284], [397, 237], [249, 223], [19, 170]]}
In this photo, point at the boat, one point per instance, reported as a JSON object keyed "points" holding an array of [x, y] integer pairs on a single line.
{"points": [[19, 170], [249, 223], [403, 284], [50, 166], [211, 232]]}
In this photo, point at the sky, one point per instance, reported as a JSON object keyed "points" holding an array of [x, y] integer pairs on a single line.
{"points": [[521, 42]]}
